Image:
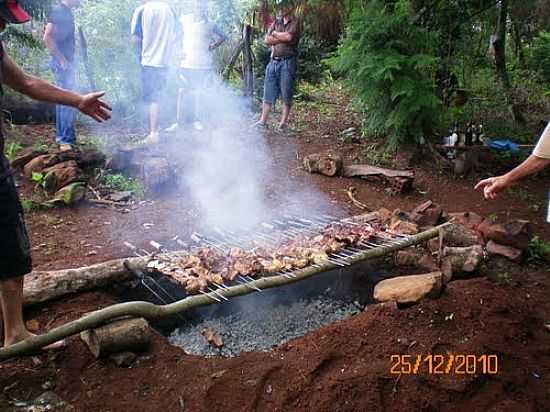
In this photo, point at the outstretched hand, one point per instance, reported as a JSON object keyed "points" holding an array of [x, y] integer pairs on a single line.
{"points": [[492, 186], [92, 105]]}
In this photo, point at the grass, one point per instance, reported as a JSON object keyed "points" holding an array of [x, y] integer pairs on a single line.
{"points": [[539, 250], [12, 149], [122, 183]]}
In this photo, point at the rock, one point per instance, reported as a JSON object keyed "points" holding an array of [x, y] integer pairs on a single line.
{"points": [[38, 164], [123, 359], [402, 223], [91, 158], [463, 259], [427, 214], [516, 233], [458, 235], [469, 219], [499, 269], [409, 289], [60, 177], [508, 252], [70, 194], [25, 157], [61, 165], [120, 196], [50, 401], [417, 258]]}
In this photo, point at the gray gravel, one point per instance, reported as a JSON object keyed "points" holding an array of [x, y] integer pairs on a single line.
{"points": [[262, 328]]}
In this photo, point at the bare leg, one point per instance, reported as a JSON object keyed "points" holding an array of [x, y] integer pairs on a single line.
{"points": [[179, 114], [154, 111], [266, 109], [11, 299], [285, 116]]}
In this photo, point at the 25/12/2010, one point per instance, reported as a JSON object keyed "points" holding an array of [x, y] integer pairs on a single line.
{"points": [[444, 364]]}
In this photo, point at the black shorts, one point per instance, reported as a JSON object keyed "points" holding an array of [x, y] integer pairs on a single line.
{"points": [[15, 249], [153, 83]]}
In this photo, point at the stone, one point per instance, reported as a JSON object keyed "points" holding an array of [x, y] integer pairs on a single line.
{"points": [[38, 164], [123, 359], [509, 252], [471, 220], [409, 289], [58, 178], [417, 258], [121, 196], [157, 173], [459, 235], [25, 157], [516, 233], [91, 158], [427, 214], [70, 195]]}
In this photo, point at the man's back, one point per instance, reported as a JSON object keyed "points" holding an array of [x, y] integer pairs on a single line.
{"points": [[155, 22]]}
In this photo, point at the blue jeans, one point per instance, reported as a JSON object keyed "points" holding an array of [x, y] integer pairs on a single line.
{"points": [[280, 76], [65, 116]]}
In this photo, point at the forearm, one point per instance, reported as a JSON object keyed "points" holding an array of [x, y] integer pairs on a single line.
{"points": [[39, 89], [282, 37], [271, 41], [531, 165]]}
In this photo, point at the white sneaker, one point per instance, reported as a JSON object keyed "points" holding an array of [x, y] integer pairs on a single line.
{"points": [[66, 147], [198, 126], [172, 129]]}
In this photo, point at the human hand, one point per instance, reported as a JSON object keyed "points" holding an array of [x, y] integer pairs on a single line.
{"points": [[91, 105], [492, 186]]}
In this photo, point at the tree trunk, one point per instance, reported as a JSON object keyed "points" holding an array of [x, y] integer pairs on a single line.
{"points": [[248, 67], [126, 335], [44, 286], [499, 45]]}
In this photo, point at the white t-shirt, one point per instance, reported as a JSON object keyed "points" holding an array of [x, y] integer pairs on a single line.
{"points": [[197, 37], [155, 22], [543, 146]]}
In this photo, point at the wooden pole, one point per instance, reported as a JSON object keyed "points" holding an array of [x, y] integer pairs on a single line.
{"points": [[151, 311]]}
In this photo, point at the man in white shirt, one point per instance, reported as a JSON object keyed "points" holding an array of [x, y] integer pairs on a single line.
{"points": [[153, 29], [534, 163], [200, 38]]}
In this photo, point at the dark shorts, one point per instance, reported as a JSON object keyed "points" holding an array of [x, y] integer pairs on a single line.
{"points": [[153, 83], [15, 249], [280, 76]]}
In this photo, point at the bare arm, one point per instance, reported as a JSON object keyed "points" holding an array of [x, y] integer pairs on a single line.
{"points": [[283, 36], [271, 41], [49, 40], [494, 185], [39, 89]]}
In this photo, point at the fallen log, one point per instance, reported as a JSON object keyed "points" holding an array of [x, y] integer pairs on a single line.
{"points": [[367, 170], [323, 163], [151, 311], [44, 286], [125, 335]]}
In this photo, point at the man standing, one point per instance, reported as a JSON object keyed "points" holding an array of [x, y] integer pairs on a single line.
{"points": [[200, 38], [534, 163], [283, 36], [153, 29], [59, 37], [15, 257]]}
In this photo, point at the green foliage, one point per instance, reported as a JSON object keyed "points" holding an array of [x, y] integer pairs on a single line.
{"points": [[11, 150], [390, 64], [539, 56], [539, 250], [119, 182]]}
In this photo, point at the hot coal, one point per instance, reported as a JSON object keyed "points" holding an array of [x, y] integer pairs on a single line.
{"points": [[268, 325]]}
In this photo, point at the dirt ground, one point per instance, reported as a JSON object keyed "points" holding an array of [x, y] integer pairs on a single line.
{"points": [[341, 367]]}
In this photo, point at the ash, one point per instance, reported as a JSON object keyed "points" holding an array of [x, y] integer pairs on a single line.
{"points": [[263, 328]]}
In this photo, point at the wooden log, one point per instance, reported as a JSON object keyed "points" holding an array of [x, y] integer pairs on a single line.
{"points": [[463, 259], [44, 286], [126, 335], [367, 170], [458, 235], [323, 163]]}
